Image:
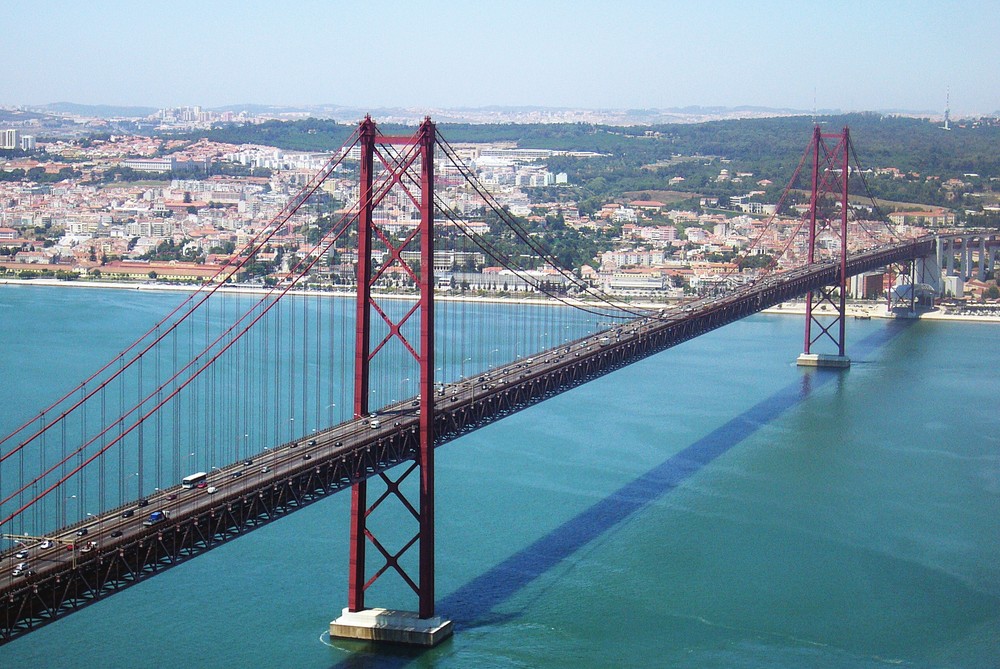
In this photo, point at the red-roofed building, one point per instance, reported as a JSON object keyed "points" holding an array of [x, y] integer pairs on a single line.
{"points": [[648, 205], [177, 271]]}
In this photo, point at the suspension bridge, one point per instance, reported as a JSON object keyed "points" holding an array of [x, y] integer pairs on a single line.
{"points": [[243, 405]]}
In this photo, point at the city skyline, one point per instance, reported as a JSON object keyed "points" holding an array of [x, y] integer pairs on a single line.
{"points": [[640, 55]]}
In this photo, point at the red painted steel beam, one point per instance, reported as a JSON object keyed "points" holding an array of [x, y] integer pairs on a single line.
{"points": [[817, 140], [845, 177], [359, 491], [427, 141]]}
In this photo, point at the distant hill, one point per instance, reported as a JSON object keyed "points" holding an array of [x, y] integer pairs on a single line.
{"points": [[100, 111], [486, 114], [517, 113], [775, 143]]}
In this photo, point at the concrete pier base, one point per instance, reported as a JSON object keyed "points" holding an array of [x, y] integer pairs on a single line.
{"points": [[823, 360], [390, 626]]}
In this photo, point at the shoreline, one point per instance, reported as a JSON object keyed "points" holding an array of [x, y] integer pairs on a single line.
{"points": [[230, 289], [870, 310], [856, 310]]}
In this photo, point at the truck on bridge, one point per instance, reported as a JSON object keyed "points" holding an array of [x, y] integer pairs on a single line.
{"points": [[156, 517]]}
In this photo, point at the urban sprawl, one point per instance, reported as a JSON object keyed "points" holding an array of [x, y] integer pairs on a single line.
{"points": [[200, 202]]}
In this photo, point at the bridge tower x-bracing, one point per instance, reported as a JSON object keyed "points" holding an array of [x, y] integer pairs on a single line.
{"points": [[407, 165], [826, 308]]}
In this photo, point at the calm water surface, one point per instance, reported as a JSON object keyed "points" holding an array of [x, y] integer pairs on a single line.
{"points": [[713, 506]]}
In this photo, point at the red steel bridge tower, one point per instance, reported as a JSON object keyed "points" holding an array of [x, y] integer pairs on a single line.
{"points": [[409, 164], [828, 209]]}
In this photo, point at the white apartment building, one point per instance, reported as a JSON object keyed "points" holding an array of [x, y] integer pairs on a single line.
{"points": [[10, 138]]}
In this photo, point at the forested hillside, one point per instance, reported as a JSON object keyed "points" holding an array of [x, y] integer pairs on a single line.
{"points": [[638, 158]]}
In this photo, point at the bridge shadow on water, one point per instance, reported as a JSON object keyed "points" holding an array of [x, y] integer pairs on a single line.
{"points": [[473, 604]]}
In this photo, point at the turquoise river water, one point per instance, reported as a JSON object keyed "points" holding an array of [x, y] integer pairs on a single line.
{"points": [[713, 506]]}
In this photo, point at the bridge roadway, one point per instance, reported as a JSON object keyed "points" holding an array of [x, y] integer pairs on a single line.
{"points": [[73, 571]]}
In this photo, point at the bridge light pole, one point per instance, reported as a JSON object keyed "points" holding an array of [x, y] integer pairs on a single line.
{"points": [[100, 527], [66, 515], [138, 486]]}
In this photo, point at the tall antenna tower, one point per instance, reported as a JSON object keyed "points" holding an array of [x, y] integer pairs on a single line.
{"points": [[947, 111]]}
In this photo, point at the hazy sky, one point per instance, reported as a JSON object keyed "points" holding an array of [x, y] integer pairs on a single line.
{"points": [[851, 55]]}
